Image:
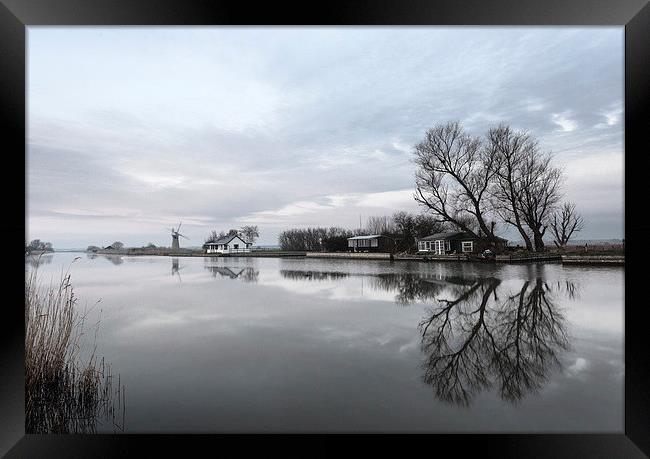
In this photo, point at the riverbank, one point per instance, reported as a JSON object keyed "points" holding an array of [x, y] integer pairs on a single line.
{"points": [[196, 253], [612, 260], [593, 259]]}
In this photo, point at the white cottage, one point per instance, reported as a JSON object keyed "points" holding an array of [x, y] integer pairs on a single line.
{"points": [[228, 244]]}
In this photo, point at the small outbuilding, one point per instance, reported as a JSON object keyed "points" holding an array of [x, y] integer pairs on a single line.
{"points": [[228, 244], [370, 243], [456, 242]]}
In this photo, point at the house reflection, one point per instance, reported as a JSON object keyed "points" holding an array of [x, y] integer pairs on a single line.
{"points": [[115, 259], [483, 338], [244, 271]]}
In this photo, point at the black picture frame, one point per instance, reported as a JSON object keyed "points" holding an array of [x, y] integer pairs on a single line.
{"points": [[634, 15]]}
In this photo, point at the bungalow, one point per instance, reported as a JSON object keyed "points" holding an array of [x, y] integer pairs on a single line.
{"points": [[228, 244], [371, 243], [455, 242]]}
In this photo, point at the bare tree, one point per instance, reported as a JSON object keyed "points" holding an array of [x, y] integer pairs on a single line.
{"points": [[213, 236], [564, 223], [117, 245], [408, 227], [540, 193], [250, 233], [380, 225], [510, 149], [453, 176], [38, 246]]}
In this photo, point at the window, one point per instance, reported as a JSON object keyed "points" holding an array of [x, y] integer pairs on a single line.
{"points": [[468, 246]]}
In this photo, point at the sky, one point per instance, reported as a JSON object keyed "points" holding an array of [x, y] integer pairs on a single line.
{"points": [[134, 129]]}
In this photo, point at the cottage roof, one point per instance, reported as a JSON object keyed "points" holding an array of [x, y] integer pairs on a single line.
{"points": [[371, 236], [447, 235], [226, 239]]}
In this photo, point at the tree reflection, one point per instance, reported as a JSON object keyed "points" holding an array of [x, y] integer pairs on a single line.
{"points": [[312, 275], [41, 259], [411, 287], [481, 336], [115, 259], [476, 341], [408, 287]]}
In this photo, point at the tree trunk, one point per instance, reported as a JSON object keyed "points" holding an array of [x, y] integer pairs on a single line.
{"points": [[526, 238], [539, 241]]}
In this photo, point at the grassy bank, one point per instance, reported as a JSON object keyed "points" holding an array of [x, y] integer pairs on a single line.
{"points": [[68, 389]]}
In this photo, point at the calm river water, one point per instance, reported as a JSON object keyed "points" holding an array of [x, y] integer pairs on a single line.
{"points": [[268, 344]]}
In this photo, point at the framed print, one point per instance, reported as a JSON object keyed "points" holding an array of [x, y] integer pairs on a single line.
{"points": [[365, 218]]}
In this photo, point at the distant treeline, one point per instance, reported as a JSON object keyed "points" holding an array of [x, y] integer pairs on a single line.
{"points": [[37, 245], [403, 227]]}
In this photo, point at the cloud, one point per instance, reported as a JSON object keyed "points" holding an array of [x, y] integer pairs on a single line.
{"points": [[564, 122], [612, 118], [577, 368]]}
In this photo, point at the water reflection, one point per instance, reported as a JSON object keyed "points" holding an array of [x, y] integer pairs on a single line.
{"points": [[408, 287], [115, 259], [312, 275], [242, 269], [41, 259], [477, 340], [479, 335], [317, 338], [176, 269]]}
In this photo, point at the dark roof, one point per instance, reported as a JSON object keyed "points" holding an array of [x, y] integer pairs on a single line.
{"points": [[447, 235], [226, 239]]}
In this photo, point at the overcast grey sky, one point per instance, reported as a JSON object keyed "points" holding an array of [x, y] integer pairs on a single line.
{"points": [[132, 129]]}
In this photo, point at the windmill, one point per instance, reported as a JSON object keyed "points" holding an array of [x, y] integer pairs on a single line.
{"points": [[175, 234]]}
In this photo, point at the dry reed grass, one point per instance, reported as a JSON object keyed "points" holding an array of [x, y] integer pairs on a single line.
{"points": [[65, 390]]}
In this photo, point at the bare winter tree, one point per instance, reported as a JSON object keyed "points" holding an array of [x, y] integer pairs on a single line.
{"points": [[510, 149], [539, 194], [453, 176], [564, 223], [213, 236], [408, 227], [380, 225], [250, 233]]}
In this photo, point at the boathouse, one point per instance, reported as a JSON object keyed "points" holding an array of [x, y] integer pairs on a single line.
{"points": [[228, 244], [370, 243], [457, 242]]}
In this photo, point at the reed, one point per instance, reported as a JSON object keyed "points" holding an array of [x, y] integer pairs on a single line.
{"points": [[68, 389]]}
